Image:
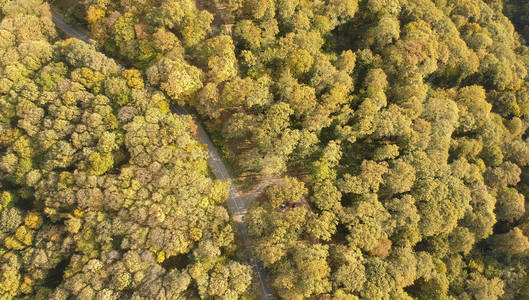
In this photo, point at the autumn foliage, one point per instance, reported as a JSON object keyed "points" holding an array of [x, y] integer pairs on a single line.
{"points": [[399, 129]]}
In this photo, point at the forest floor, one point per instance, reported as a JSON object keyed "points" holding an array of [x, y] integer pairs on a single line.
{"points": [[65, 4]]}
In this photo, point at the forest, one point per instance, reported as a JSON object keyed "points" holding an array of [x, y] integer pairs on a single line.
{"points": [[391, 138]]}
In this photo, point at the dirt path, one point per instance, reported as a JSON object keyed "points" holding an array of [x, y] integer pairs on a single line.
{"points": [[249, 196]]}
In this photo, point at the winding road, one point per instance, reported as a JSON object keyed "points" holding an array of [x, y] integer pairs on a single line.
{"points": [[237, 203]]}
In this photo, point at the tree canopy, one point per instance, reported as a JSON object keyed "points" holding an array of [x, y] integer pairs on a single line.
{"points": [[104, 192], [399, 129]]}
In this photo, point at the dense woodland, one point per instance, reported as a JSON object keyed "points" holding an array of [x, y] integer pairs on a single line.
{"points": [[399, 128], [105, 194]]}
